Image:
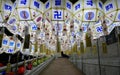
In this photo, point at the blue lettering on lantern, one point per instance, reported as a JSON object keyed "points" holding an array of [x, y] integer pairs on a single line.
{"points": [[99, 29], [58, 27], [10, 50], [89, 15], [23, 2], [89, 2], [85, 27], [24, 14], [5, 42], [36, 4], [11, 44], [18, 44], [34, 27], [77, 6], [47, 5], [73, 34], [14, 28], [12, 21], [57, 15], [109, 6], [68, 5], [119, 16], [77, 21], [100, 5], [57, 2], [8, 7]]}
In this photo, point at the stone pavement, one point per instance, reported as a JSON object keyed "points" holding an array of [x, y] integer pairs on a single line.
{"points": [[61, 66]]}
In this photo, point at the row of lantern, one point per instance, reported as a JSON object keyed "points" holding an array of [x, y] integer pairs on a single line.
{"points": [[67, 21]]}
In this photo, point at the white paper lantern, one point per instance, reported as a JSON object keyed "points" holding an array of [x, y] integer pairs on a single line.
{"points": [[48, 5], [11, 46], [112, 14], [5, 41]]}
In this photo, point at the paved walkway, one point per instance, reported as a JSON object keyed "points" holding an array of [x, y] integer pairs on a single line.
{"points": [[61, 66]]}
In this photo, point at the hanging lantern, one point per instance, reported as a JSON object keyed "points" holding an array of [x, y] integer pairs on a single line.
{"points": [[7, 8], [5, 43], [88, 11], [112, 14], [26, 13], [81, 47], [36, 47], [88, 39], [11, 45]]}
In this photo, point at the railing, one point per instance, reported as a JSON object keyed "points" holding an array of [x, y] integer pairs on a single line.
{"points": [[38, 69], [20, 63]]}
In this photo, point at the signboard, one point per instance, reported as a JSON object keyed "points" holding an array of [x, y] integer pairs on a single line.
{"points": [[104, 48]]}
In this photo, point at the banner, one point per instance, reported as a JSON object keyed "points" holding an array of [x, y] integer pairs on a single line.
{"points": [[88, 40], [104, 48], [1, 38], [41, 48], [26, 42], [58, 46], [81, 47], [119, 38], [94, 49], [74, 48], [36, 47]]}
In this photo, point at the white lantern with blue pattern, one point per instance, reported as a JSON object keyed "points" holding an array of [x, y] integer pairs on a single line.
{"points": [[6, 7], [112, 14]]}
